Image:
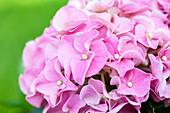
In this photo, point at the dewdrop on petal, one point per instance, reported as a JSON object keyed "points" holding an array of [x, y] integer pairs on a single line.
{"points": [[129, 84]]}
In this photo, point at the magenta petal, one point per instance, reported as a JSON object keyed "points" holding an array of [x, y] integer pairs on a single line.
{"points": [[98, 85], [66, 64], [24, 88], [68, 87], [66, 14], [46, 88], [145, 21], [117, 108], [153, 43], [29, 76], [73, 104], [129, 7], [100, 107], [49, 109], [141, 35], [35, 99], [72, 24], [111, 44], [128, 109], [32, 54], [90, 95], [50, 52], [115, 80], [66, 47], [156, 67], [125, 25], [122, 67], [162, 33], [50, 72], [53, 97], [130, 50], [167, 91], [122, 41], [100, 58], [79, 42], [96, 6], [137, 88], [79, 69]]}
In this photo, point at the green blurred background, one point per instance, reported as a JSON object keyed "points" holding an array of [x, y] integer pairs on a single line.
{"points": [[20, 21]]}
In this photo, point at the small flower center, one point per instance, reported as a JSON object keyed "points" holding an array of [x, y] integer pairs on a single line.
{"points": [[59, 82], [85, 56], [129, 84], [116, 56], [164, 58], [150, 35], [67, 111], [166, 45], [104, 97]]}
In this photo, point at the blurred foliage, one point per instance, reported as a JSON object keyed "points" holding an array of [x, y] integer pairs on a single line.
{"points": [[150, 106], [20, 21]]}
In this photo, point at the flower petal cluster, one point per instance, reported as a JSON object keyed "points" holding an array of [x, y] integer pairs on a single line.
{"points": [[100, 56]]}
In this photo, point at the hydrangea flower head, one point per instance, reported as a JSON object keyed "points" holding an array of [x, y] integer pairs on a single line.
{"points": [[100, 56]]}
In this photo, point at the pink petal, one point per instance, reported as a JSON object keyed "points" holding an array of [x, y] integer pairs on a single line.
{"points": [[66, 14], [90, 95], [79, 42], [122, 67], [24, 88], [141, 35], [98, 85], [100, 107], [130, 50], [117, 108], [35, 99], [51, 73], [138, 88], [73, 104], [79, 68], [50, 52], [145, 21], [96, 6], [125, 25], [100, 58]]}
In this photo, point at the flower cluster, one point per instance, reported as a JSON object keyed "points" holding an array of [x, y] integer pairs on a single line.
{"points": [[100, 56]]}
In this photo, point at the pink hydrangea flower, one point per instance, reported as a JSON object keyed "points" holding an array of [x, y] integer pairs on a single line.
{"points": [[130, 85], [100, 56], [78, 50], [93, 95], [122, 51], [159, 84], [51, 83]]}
